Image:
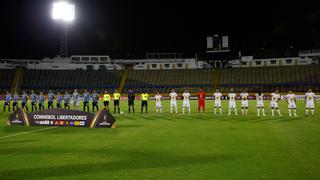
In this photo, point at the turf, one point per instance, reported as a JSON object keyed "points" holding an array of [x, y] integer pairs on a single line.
{"points": [[196, 146]]}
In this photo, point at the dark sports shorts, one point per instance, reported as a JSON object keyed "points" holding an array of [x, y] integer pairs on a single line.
{"points": [[86, 103], [144, 103], [23, 104], [106, 103], [116, 102], [66, 104], [131, 103], [94, 103], [33, 103], [7, 104]]}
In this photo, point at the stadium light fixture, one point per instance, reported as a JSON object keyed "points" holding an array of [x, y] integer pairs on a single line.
{"points": [[63, 11]]}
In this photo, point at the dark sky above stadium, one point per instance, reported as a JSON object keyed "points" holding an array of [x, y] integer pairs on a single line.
{"points": [[132, 27]]}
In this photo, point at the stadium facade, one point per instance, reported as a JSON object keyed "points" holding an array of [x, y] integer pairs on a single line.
{"points": [[218, 67]]}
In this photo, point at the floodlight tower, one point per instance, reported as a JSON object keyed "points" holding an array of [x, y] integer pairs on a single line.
{"points": [[63, 11]]}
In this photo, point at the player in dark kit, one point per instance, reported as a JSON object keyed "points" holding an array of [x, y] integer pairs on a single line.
{"points": [[7, 102], [131, 98], [86, 99], [59, 100], [67, 98], [50, 100], [24, 101], [41, 101], [34, 99], [95, 100]]}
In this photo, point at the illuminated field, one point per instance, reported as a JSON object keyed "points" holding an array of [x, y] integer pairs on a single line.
{"points": [[196, 146]]}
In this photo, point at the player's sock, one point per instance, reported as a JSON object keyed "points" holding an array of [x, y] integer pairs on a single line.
{"points": [[289, 112], [279, 112], [235, 112], [171, 109], [312, 112], [263, 112], [229, 112], [258, 111], [157, 110], [246, 111], [242, 111], [215, 110], [176, 110], [160, 110], [189, 110], [220, 110], [272, 111], [307, 112], [294, 112], [182, 110]]}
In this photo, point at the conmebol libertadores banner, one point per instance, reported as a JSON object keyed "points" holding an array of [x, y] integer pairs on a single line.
{"points": [[63, 117]]}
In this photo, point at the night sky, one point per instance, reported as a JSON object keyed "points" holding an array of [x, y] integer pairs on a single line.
{"points": [[130, 28]]}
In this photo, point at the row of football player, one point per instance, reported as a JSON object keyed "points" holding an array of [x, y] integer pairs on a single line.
{"points": [[41, 98], [275, 97]]}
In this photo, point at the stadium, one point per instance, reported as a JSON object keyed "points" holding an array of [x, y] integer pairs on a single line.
{"points": [[219, 113]]}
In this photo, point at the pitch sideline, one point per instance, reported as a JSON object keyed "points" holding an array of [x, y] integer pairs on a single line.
{"points": [[27, 132]]}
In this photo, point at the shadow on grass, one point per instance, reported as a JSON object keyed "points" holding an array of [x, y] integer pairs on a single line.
{"points": [[128, 160], [128, 126]]}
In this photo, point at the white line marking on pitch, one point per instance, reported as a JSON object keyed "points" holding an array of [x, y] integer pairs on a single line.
{"points": [[27, 132]]}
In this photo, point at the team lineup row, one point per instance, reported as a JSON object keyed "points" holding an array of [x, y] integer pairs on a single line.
{"points": [[37, 101]]}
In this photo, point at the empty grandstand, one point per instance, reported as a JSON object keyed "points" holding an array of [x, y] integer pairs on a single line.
{"points": [[163, 72], [70, 79], [164, 80], [297, 78]]}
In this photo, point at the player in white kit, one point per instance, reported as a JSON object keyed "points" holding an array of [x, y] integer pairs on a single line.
{"points": [[173, 101], [232, 102], [186, 101], [275, 97], [309, 98], [291, 100], [244, 103], [217, 101], [158, 98], [260, 104]]}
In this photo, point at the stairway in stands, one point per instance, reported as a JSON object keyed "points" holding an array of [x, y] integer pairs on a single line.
{"points": [[216, 79], [15, 86], [124, 79]]}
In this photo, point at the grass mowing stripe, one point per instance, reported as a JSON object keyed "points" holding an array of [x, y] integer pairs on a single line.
{"points": [[27, 132]]}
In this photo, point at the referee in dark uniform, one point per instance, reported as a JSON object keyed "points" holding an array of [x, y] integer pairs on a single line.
{"points": [[131, 98]]}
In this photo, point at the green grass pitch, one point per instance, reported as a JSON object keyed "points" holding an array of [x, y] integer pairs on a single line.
{"points": [[196, 146]]}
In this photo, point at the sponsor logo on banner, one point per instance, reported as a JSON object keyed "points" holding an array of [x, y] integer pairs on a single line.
{"points": [[16, 121], [62, 117]]}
